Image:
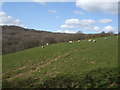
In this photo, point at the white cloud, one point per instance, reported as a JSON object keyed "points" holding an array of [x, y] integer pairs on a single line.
{"points": [[107, 6], [42, 2], [58, 31], [68, 27], [56, 0], [8, 20], [72, 22], [109, 29], [87, 22], [78, 12], [88, 25], [105, 21], [52, 11], [96, 28], [79, 22], [75, 23]]}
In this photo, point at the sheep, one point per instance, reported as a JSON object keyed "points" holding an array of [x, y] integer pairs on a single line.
{"points": [[47, 44], [94, 40], [42, 46], [70, 42], [78, 41], [105, 38], [89, 40]]}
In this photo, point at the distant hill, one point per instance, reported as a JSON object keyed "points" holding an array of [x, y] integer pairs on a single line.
{"points": [[16, 38]]}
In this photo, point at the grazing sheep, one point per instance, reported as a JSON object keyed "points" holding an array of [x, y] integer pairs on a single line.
{"points": [[47, 43], [78, 41], [89, 40], [42, 46], [105, 38], [94, 40], [70, 42]]}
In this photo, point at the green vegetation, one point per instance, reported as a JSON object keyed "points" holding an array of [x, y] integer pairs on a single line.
{"points": [[63, 65]]}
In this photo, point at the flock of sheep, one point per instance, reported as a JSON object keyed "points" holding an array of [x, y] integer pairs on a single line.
{"points": [[90, 40], [44, 46]]}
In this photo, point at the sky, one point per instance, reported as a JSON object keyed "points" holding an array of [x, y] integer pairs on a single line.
{"points": [[63, 17]]}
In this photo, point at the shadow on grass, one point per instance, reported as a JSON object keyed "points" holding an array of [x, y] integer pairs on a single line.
{"points": [[100, 78]]}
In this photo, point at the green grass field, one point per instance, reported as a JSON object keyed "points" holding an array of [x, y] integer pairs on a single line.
{"points": [[63, 65]]}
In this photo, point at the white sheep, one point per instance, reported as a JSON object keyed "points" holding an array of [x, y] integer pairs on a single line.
{"points": [[70, 42], [94, 40], [47, 43], [78, 41], [42, 46], [89, 40], [105, 38]]}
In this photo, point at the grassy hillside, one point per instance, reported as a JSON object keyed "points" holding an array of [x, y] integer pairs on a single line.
{"points": [[80, 65]]}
